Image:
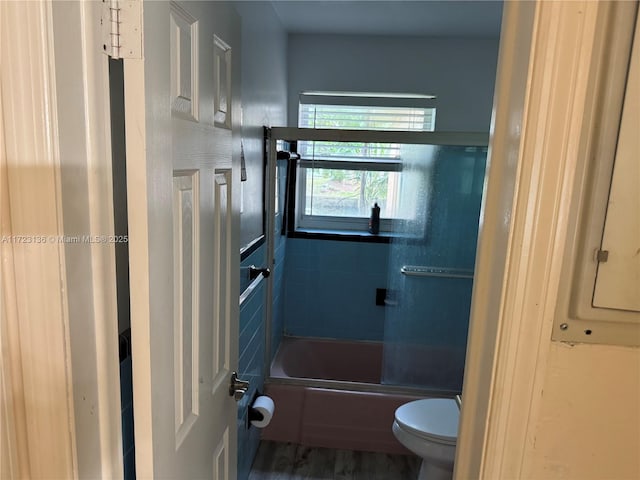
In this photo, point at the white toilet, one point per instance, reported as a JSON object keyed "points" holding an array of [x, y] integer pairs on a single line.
{"points": [[429, 428]]}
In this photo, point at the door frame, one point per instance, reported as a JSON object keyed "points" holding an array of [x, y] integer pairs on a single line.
{"points": [[552, 56], [59, 315]]}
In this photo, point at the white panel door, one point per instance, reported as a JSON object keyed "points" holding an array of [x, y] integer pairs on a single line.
{"points": [[181, 112]]}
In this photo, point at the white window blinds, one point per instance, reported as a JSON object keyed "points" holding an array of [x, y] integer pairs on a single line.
{"points": [[361, 111], [359, 117]]}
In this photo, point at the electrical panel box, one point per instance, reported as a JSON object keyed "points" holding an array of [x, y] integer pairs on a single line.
{"points": [[602, 264]]}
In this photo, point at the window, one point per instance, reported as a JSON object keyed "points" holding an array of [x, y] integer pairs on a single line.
{"points": [[339, 182]]}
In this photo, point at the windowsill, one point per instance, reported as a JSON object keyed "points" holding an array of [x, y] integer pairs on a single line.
{"points": [[348, 235]]}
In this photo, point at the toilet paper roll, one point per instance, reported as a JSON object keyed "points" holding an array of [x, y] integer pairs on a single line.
{"points": [[264, 406]]}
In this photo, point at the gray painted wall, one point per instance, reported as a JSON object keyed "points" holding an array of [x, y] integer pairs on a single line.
{"points": [[461, 72], [264, 100]]}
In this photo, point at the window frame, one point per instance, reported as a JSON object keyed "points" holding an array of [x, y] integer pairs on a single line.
{"points": [[304, 221], [336, 222]]}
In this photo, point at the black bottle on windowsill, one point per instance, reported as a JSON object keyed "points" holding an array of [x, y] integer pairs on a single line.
{"points": [[374, 221]]}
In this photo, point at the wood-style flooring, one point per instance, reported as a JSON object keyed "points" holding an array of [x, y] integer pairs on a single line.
{"points": [[288, 461]]}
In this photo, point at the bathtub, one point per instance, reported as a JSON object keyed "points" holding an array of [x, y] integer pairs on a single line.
{"points": [[318, 416]]}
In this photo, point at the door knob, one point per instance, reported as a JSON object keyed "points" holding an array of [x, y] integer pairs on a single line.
{"points": [[237, 387]]}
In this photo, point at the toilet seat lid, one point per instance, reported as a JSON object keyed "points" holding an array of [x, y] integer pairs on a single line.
{"points": [[432, 418]]}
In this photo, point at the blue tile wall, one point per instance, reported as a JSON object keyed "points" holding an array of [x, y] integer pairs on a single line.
{"points": [[251, 363], [433, 311], [278, 309], [330, 285], [330, 289]]}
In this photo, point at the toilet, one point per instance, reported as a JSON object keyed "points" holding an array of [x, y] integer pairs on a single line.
{"points": [[429, 428]]}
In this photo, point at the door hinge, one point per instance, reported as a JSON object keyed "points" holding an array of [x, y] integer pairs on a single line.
{"points": [[602, 256], [121, 23]]}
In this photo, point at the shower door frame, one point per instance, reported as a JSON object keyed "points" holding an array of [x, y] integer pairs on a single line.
{"points": [[290, 134]]}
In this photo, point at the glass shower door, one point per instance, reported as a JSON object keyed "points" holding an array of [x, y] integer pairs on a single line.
{"points": [[431, 265]]}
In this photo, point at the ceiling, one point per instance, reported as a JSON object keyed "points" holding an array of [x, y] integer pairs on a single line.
{"points": [[440, 18]]}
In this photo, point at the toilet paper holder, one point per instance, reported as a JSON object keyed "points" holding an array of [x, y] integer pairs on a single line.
{"points": [[252, 413]]}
